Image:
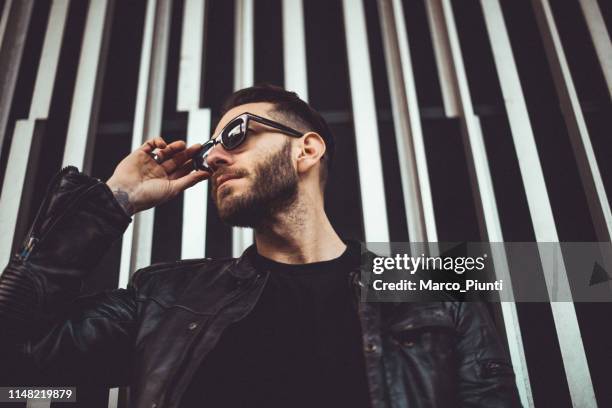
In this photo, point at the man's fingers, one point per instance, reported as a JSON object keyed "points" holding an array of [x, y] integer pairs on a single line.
{"points": [[180, 158], [189, 180], [170, 150], [185, 169], [152, 144]]}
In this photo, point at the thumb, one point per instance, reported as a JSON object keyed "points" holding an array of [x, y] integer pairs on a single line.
{"points": [[188, 180]]}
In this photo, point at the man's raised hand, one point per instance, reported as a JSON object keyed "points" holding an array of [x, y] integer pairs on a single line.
{"points": [[139, 182]]}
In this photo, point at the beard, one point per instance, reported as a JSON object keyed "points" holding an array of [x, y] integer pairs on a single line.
{"points": [[274, 190]]}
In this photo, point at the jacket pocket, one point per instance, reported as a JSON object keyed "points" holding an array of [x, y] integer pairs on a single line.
{"points": [[426, 328], [494, 368]]}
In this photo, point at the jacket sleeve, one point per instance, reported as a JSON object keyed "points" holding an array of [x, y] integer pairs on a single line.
{"points": [[50, 333], [486, 378]]}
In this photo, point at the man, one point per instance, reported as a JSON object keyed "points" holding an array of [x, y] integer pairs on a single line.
{"points": [[282, 325]]}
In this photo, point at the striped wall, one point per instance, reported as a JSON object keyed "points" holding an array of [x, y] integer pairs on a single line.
{"points": [[455, 121]]}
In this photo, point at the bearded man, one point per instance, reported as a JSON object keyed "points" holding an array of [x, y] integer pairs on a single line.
{"points": [[280, 326]]}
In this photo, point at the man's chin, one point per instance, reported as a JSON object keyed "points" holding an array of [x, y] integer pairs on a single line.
{"points": [[226, 197], [231, 211], [238, 219]]}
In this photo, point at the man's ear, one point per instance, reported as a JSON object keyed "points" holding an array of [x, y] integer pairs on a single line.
{"points": [[312, 149]]}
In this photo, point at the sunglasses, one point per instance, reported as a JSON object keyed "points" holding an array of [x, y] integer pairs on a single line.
{"points": [[234, 134]]}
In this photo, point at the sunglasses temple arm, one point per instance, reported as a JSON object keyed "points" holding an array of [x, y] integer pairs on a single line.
{"points": [[279, 126]]}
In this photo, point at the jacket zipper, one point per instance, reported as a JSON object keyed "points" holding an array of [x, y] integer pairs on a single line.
{"points": [[191, 346], [31, 240]]}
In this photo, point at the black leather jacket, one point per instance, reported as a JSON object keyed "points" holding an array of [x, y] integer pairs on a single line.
{"points": [[153, 335]]}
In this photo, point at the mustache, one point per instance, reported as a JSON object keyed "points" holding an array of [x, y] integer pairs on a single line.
{"points": [[237, 173]]}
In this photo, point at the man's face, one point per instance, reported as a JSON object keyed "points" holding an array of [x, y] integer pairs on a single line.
{"points": [[256, 180]]}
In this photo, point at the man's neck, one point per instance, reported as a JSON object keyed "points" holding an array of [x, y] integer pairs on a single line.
{"points": [[302, 234]]}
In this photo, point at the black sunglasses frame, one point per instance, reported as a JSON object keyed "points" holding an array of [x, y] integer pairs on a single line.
{"points": [[199, 160]]}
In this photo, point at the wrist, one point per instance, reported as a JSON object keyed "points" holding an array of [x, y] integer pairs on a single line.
{"points": [[122, 196]]}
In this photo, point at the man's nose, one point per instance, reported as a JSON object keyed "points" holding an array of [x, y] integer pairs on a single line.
{"points": [[218, 156]]}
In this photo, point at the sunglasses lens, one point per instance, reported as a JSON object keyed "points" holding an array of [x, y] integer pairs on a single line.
{"points": [[199, 160], [233, 134], [231, 137]]}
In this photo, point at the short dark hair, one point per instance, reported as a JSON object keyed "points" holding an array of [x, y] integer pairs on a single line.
{"points": [[294, 110]]}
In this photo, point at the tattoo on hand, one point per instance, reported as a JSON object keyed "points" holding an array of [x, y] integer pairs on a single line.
{"points": [[123, 198]]}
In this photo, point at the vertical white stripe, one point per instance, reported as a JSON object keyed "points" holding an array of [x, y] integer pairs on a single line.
{"points": [[37, 404], [4, 18], [11, 52], [244, 65], [137, 243], [23, 136], [446, 77], [196, 198], [415, 123], [126, 264], [49, 60], [600, 36], [113, 397], [406, 119], [138, 239], [490, 216], [574, 120], [198, 125], [190, 66], [515, 345], [564, 315], [443, 25], [13, 186], [366, 125], [294, 48], [78, 150], [244, 62]]}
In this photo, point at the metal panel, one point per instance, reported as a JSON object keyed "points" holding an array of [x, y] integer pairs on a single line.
{"points": [[13, 186], [600, 37], [564, 315], [49, 60], [190, 67], [294, 48], [198, 127], [443, 24], [4, 18], [81, 134], [407, 122], [244, 65], [574, 120], [11, 51], [113, 398], [195, 201], [15, 180], [138, 238], [244, 44], [448, 81], [371, 178]]}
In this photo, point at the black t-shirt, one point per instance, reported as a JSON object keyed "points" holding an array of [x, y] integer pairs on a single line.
{"points": [[299, 347]]}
